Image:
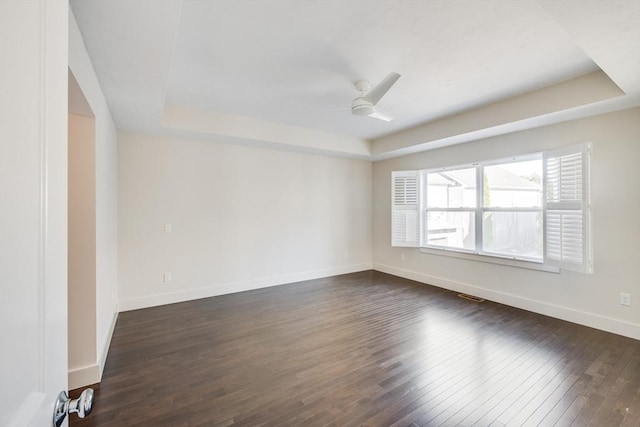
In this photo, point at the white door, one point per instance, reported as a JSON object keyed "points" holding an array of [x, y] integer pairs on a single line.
{"points": [[33, 209]]}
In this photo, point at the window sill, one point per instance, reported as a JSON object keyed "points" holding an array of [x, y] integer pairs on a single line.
{"points": [[491, 259]]}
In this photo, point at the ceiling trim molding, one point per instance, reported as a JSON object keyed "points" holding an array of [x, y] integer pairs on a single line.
{"points": [[219, 125]]}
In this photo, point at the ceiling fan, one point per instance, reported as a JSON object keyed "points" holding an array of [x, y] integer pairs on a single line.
{"points": [[365, 105]]}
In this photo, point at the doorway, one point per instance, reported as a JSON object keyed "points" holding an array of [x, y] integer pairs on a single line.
{"points": [[82, 342]]}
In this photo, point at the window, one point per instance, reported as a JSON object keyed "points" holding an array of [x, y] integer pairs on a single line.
{"points": [[532, 208], [449, 219]]}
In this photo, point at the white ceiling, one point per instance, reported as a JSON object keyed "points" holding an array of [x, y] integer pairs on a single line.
{"points": [[293, 63]]}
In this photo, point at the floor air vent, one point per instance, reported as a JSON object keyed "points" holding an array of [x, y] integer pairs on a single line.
{"points": [[471, 298]]}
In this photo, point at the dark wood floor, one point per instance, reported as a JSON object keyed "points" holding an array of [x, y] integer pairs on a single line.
{"points": [[362, 349]]}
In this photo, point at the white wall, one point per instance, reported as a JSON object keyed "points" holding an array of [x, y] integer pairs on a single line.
{"points": [[242, 218], [588, 299], [82, 243], [106, 205]]}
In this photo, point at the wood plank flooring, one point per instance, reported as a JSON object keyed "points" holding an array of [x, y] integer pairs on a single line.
{"points": [[362, 349]]}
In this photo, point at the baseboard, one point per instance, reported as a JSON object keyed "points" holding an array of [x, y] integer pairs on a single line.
{"points": [[84, 376], [92, 374], [233, 287], [106, 344], [616, 326]]}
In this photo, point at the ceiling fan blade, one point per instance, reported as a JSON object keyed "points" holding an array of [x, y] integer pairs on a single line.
{"points": [[375, 94], [381, 115]]}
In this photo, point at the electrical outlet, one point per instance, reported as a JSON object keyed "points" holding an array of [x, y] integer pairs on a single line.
{"points": [[168, 228], [625, 299], [402, 258], [167, 277]]}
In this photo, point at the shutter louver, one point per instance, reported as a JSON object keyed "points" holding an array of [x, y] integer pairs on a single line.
{"points": [[405, 209], [567, 208], [565, 240]]}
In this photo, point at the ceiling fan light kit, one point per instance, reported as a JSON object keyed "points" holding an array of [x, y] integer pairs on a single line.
{"points": [[360, 107], [365, 105]]}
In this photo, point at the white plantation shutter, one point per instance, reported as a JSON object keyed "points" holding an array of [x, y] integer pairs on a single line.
{"points": [[405, 210], [567, 226]]}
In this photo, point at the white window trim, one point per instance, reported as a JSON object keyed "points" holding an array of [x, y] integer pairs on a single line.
{"points": [[491, 259]]}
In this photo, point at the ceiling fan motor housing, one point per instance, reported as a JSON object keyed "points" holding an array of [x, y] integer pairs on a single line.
{"points": [[361, 107]]}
